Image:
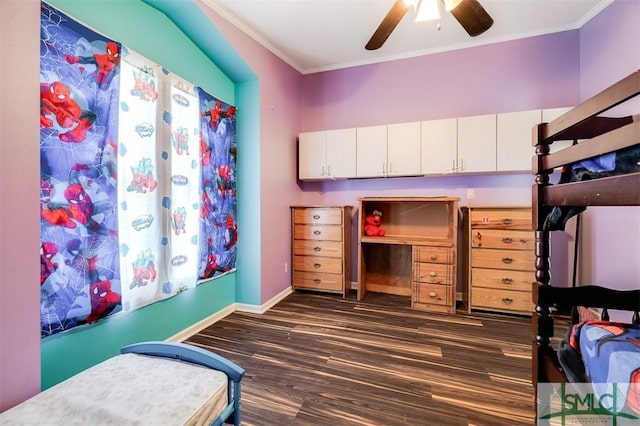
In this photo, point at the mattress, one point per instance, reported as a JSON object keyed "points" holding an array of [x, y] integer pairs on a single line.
{"points": [[128, 389]]}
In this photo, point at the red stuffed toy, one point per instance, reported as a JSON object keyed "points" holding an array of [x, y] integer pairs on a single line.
{"points": [[372, 224]]}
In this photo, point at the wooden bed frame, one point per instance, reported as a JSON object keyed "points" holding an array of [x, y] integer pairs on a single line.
{"points": [[598, 135]]}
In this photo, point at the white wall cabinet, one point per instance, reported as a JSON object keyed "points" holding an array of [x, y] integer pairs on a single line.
{"points": [[514, 136], [403, 149], [392, 150], [439, 146], [327, 154], [371, 151], [476, 144]]}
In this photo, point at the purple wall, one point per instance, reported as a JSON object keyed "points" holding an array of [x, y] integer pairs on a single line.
{"points": [[537, 72], [609, 51]]}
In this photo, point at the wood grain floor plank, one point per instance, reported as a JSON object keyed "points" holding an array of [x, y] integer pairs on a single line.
{"points": [[317, 359]]}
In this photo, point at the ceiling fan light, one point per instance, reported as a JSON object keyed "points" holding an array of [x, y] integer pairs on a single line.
{"points": [[451, 4], [428, 10]]}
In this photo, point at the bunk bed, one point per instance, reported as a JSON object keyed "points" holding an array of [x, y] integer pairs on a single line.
{"points": [[600, 168]]}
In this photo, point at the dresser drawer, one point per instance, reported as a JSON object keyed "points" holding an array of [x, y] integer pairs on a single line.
{"points": [[319, 232], [518, 260], [317, 248], [434, 254], [433, 294], [503, 239], [503, 279], [503, 300], [433, 273], [317, 281], [501, 219], [318, 216], [317, 264]]}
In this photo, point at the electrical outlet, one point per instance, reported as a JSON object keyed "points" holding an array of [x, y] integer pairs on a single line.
{"points": [[471, 194], [286, 266]]}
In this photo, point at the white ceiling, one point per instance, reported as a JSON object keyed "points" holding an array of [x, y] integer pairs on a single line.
{"points": [[322, 35]]}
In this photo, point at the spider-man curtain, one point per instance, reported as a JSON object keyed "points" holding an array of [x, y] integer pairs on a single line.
{"points": [[129, 181]]}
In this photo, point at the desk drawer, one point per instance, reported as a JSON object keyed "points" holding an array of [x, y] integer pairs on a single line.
{"points": [[503, 279], [313, 232], [433, 273], [517, 260], [503, 300], [317, 248], [503, 239], [317, 281], [317, 264], [434, 254], [318, 216], [501, 219], [433, 294]]}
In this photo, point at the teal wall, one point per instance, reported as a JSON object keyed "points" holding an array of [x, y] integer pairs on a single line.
{"points": [[145, 28]]}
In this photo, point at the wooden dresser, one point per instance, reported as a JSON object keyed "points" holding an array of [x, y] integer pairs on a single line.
{"points": [[501, 260], [321, 240], [417, 256]]}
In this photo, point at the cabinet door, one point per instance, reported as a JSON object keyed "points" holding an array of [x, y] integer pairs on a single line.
{"points": [[371, 151], [439, 146], [312, 155], [548, 115], [341, 153], [477, 144], [514, 136], [403, 149]]}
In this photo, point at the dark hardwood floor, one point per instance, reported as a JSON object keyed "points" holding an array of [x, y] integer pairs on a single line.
{"points": [[316, 359]]}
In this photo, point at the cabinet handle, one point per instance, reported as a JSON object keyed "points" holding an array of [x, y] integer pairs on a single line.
{"points": [[390, 168], [507, 301], [317, 280], [461, 168], [434, 257], [317, 248], [433, 274], [316, 265], [507, 240], [507, 281], [317, 232], [316, 216], [322, 171], [453, 165], [329, 171], [432, 294], [507, 260], [507, 221]]}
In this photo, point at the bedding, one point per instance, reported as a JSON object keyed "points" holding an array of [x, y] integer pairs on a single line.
{"points": [[620, 162], [605, 354]]}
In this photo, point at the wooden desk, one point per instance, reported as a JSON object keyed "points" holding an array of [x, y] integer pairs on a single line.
{"points": [[417, 256]]}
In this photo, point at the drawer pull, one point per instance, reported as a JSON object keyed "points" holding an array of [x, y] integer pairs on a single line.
{"points": [[434, 257], [507, 301], [507, 240], [432, 294], [507, 260], [316, 216], [317, 280], [317, 248], [507, 281], [317, 232], [316, 265], [507, 221], [433, 274]]}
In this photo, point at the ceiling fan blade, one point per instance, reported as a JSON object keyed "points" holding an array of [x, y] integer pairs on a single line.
{"points": [[472, 16], [393, 17]]}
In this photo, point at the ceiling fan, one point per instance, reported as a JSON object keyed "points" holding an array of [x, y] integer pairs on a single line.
{"points": [[469, 13]]}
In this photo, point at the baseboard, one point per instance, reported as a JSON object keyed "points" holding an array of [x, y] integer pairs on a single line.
{"points": [[202, 324], [260, 309], [242, 307]]}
